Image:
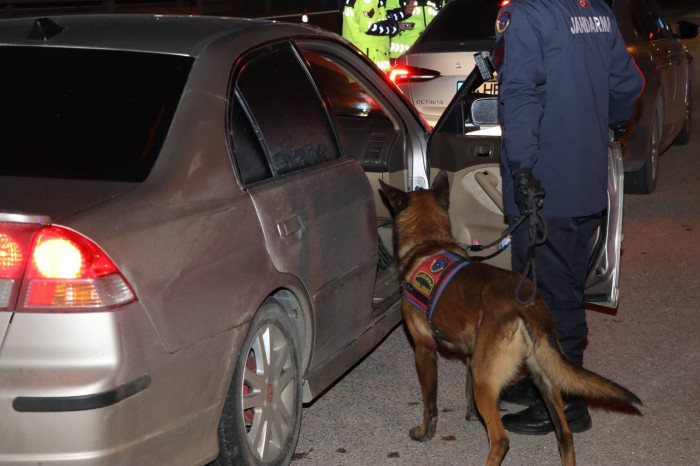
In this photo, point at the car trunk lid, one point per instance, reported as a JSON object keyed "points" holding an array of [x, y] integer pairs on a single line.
{"points": [[56, 197]]}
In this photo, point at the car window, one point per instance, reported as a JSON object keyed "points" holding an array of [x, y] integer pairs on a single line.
{"points": [[277, 98], [86, 114], [648, 22], [461, 20], [346, 95], [367, 128]]}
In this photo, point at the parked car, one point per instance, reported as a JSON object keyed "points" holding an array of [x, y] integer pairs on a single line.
{"points": [[434, 68], [192, 242]]}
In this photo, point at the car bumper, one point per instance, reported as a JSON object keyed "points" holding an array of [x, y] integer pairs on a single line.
{"points": [[99, 389]]}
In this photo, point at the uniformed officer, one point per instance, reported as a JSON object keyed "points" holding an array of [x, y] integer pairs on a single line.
{"points": [[368, 25], [423, 14], [564, 76]]}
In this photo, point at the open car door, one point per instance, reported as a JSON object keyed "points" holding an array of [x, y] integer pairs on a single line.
{"points": [[466, 143]]}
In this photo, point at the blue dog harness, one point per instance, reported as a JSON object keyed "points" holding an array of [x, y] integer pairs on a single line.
{"points": [[428, 281]]}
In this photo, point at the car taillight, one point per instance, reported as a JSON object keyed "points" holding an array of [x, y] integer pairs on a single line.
{"points": [[52, 268], [403, 74], [15, 240]]}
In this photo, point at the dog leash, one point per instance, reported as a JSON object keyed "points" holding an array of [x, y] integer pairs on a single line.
{"points": [[535, 218], [503, 242]]}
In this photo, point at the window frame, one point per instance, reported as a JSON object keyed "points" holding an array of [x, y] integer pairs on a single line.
{"points": [[233, 93]]}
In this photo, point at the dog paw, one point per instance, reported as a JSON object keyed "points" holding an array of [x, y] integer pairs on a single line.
{"points": [[421, 434], [418, 434]]}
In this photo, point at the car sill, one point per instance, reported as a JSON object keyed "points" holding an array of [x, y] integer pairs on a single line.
{"points": [[30, 404]]}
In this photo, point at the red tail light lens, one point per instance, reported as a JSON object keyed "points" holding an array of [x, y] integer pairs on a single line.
{"points": [[59, 270], [11, 256], [405, 74], [15, 239]]}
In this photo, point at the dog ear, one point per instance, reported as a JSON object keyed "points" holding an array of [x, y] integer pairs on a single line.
{"points": [[441, 189], [395, 199]]}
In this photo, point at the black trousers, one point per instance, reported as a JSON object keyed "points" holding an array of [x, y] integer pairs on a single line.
{"points": [[561, 266]]}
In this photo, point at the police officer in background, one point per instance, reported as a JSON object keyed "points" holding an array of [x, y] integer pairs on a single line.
{"points": [[369, 26], [423, 14], [564, 76]]}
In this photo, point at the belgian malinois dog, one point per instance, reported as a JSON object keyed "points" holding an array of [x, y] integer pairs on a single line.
{"points": [[476, 315]]}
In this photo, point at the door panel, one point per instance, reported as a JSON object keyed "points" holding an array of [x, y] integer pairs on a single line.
{"points": [[602, 282], [314, 205], [319, 226], [472, 162], [375, 127]]}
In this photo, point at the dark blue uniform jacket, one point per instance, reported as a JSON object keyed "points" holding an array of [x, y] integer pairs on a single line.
{"points": [[564, 74]]}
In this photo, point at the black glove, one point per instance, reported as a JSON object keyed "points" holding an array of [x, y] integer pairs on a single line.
{"points": [[528, 191], [619, 129]]}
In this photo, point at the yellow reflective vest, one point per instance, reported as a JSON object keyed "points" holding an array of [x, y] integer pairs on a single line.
{"points": [[368, 25], [423, 14]]}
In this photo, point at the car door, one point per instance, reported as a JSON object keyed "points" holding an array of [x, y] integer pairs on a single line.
{"points": [[315, 206], [381, 130], [673, 57], [466, 144], [657, 39]]}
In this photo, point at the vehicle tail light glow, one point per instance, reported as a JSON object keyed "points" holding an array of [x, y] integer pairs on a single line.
{"points": [[11, 256], [405, 74], [52, 268], [504, 3], [14, 249]]}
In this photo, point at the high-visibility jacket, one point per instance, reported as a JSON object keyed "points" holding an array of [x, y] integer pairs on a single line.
{"points": [[423, 14], [369, 26]]}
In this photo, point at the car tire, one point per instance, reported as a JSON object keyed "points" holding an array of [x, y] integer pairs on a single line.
{"points": [[644, 180], [683, 137], [261, 417]]}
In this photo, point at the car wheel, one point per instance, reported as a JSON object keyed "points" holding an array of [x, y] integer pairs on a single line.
{"points": [[644, 180], [261, 418], [684, 136]]}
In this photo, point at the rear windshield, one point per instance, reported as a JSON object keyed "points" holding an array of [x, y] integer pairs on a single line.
{"points": [[463, 20], [86, 114]]}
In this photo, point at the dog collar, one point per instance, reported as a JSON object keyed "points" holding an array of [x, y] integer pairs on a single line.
{"points": [[427, 282]]}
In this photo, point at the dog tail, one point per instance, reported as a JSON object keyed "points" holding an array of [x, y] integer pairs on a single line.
{"points": [[571, 379]]}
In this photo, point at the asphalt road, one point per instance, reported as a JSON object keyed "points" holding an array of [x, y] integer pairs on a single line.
{"points": [[651, 344]]}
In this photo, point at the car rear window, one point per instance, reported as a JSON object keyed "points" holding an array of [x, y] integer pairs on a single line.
{"points": [[86, 114], [463, 20]]}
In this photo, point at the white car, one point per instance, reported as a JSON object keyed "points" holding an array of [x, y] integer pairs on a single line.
{"points": [[432, 70]]}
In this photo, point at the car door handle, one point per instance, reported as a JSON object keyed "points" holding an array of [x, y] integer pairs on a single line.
{"points": [[289, 226], [489, 183]]}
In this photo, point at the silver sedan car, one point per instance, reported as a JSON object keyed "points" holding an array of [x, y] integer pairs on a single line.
{"points": [[192, 243]]}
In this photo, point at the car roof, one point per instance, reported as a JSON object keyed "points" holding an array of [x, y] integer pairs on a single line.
{"points": [[186, 35]]}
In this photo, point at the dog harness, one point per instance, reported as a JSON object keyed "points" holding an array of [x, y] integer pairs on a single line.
{"points": [[427, 282]]}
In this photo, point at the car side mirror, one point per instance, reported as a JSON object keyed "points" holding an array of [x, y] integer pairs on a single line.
{"points": [[480, 112], [686, 30], [484, 111]]}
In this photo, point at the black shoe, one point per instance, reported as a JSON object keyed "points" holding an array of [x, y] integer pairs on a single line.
{"points": [[535, 420], [523, 392]]}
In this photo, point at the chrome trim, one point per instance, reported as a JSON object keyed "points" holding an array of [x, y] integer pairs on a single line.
{"points": [[11, 217]]}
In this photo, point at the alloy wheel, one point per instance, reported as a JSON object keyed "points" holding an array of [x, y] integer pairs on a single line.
{"points": [[268, 392]]}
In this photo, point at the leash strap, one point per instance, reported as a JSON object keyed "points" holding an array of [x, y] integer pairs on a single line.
{"points": [[534, 218]]}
